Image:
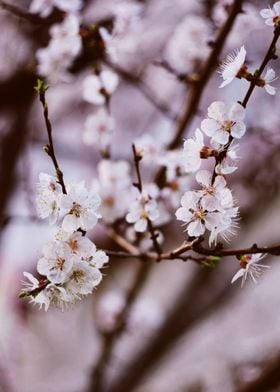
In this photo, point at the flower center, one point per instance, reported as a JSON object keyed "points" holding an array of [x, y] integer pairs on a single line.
{"points": [[59, 263], [76, 210], [73, 244], [77, 275], [227, 125], [199, 214]]}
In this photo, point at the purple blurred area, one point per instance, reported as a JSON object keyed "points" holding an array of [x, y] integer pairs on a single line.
{"points": [[189, 328]]}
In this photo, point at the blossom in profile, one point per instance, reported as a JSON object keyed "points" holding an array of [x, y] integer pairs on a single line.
{"points": [[97, 88], [271, 15], [194, 151], [233, 66], [250, 267], [224, 121], [268, 78]]}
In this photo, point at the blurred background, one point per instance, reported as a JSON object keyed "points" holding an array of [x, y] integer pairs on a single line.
{"points": [[188, 328]]}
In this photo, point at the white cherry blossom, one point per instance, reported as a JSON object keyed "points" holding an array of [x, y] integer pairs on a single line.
{"points": [[82, 279], [212, 193], [250, 267], [198, 213], [98, 129], [224, 121], [56, 262], [51, 295], [232, 66], [96, 88], [48, 196], [65, 44], [142, 209], [271, 15], [81, 207]]}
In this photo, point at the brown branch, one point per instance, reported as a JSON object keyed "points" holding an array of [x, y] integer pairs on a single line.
{"points": [[270, 54], [144, 89], [202, 78], [20, 12], [49, 148], [109, 339], [139, 186], [199, 82]]}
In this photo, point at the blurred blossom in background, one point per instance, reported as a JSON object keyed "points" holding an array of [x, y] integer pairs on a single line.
{"points": [[120, 73]]}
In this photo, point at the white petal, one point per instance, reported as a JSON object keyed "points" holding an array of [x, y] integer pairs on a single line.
{"points": [[270, 89], [141, 225], [217, 110], [203, 177], [267, 13], [196, 228], [70, 223], [238, 130], [209, 126], [239, 274], [236, 112]]}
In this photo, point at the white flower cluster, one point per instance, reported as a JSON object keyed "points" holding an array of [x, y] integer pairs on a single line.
{"points": [[212, 207], [122, 39], [64, 46], [70, 266]]}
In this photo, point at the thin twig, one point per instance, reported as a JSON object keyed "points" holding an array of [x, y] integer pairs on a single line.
{"points": [[253, 83], [139, 186], [20, 13], [199, 82], [50, 147], [109, 339]]}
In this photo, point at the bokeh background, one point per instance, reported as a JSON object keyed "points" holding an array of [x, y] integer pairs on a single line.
{"points": [[189, 328]]}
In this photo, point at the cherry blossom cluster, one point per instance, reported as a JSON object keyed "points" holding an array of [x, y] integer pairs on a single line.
{"points": [[70, 265], [212, 207], [64, 46]]}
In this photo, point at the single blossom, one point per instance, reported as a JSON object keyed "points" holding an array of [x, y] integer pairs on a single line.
{"points": [[250, 267], [141, 210], [51, 295], [198, 214], [80, 206], [48, 196], [82, 279], [97, 88], [271, 15], [98, 129], [232, 66], [224, 121], [56, 262]]}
